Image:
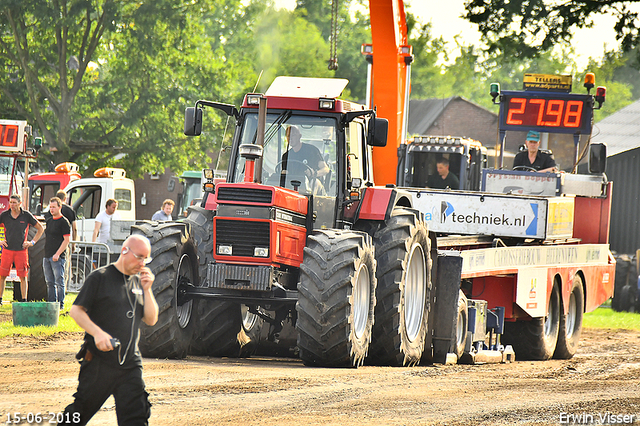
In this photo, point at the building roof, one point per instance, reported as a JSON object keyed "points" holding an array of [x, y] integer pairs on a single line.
{"points": [[620, 131], [422, 114]]}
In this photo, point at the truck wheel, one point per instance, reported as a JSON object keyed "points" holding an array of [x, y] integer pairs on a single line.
{"points": [[336, 298], [217, 323], [173, 264], [37, 290], [404, 285], [81, 266], [535, 339], [462, 325], [571, 324]]}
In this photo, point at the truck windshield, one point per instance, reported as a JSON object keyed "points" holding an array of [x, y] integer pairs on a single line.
{"points": [[299, 151]]}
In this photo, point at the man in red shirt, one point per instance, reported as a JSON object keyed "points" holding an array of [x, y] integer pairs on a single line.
{"points": [[16, 223]]}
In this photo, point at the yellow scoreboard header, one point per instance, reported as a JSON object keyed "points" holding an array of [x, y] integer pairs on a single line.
{"points": [[549, 82]]}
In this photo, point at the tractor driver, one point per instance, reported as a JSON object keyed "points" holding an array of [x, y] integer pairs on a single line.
{"points": [[533, 158], [303, 159]]}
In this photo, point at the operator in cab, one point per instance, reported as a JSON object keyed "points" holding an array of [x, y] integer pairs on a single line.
{"points": [[302, 158], [533, 158], [444, 178], [303, 161]]}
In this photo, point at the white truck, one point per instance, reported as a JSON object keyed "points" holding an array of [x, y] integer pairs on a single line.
{"points": [[88, 197]]}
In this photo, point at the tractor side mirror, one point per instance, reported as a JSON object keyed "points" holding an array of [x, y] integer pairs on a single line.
{"points": [[192, 121], [378, 129], [597, 158]]}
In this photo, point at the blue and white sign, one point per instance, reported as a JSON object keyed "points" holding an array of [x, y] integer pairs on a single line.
{"points": [[487, 214]]}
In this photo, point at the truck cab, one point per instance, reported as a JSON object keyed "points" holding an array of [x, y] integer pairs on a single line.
{"points": [[417, 160], [88, 196], [43, 186]]}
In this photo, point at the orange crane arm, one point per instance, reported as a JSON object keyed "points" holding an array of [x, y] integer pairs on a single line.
{"points": [[390, 82]]}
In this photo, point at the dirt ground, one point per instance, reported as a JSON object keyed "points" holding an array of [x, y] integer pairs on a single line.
{"points": [[39, 375]]}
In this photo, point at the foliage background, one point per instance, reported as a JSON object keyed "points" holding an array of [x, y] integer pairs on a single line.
{"points": [[106, 82]]}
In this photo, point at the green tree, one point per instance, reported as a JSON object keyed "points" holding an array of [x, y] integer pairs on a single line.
{"points": [[619, 92], [351, 31], [106, 82], [525, 28], [288, 44]]}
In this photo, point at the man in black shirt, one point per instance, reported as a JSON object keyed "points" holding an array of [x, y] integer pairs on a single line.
{"points": [[443, 179], [302, 159], [16, 223], [533, 158], [58, 232], [112, 302]]}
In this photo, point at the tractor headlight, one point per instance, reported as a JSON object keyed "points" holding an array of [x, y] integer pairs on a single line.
{"points": [[228, 250], [261, 252]]}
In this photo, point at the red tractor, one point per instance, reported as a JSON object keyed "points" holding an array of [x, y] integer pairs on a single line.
{"points": [[288, 240]]}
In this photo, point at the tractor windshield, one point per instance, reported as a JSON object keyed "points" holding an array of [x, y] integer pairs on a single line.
{"points": [[299, 152]]}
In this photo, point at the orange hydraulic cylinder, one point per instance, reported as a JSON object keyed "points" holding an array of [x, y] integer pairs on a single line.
{"points": [[389, 81]]}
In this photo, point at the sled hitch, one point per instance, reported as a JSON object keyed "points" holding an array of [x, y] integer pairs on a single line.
{"points": [[485, 322]]}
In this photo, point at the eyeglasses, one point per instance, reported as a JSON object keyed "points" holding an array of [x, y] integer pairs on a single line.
{"points": [[145, 260]]}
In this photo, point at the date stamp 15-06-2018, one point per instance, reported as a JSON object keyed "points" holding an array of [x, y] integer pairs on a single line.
{"points": [[41, 418]]}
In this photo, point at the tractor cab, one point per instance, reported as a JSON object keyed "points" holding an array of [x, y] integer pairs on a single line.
{"points": [[312, 144]]}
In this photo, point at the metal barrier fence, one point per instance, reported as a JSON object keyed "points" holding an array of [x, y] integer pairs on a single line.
{"points": [[86, 258]]}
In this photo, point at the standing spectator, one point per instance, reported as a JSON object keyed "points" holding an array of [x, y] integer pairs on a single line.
{"points": [[67, 212], [58, 232], [165, 212], [111, 304], [102, 229], [16, 223]]}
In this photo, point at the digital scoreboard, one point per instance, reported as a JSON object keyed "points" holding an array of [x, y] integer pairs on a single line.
{"points": [[550, 112], [12, 135]]}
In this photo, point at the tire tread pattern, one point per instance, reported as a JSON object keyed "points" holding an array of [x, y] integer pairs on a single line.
{"points": [[325, 324], [166, 339]]}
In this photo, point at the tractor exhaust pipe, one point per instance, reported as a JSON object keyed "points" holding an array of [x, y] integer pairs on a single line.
{"points": [[253, 153]]}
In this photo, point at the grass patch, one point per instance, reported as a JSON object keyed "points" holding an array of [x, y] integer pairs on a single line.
{"points": [[65, 322], [608, 318]]}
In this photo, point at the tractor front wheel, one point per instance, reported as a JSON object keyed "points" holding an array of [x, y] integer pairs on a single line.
{"points": [[336, 299]]}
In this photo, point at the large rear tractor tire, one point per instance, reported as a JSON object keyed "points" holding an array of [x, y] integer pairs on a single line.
{"points": [[403, 293], [37, 285], [174, 263], [571, 324], [536, 339], [336, 299], [218, 325]]}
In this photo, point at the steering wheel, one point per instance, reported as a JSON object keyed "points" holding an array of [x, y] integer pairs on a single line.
{"points": [[525, 168], [309, 181], [278, 168]]}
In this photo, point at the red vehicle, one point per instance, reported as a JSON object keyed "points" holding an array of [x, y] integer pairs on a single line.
{"points": [[351, 265], [292, 245], [14, 167], [43, 186]]}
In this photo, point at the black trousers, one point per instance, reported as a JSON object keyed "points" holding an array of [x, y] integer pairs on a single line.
{"points": [[98, 381]]}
